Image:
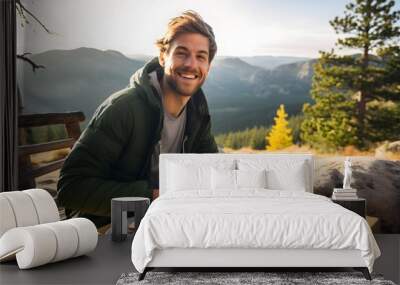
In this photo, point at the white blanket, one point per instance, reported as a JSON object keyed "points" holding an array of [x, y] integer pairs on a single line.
{"points": [[250, 219]]}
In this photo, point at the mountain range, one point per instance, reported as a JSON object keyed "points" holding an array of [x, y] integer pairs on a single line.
{"points": [[264, 61], [271, 62], [241, 92]]}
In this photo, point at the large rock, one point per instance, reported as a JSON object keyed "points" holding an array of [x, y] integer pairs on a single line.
{"points": [[388, 150], [376, 180]]}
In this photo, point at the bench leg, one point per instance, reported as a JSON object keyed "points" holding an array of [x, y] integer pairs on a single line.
{"points": [[364, 271]]}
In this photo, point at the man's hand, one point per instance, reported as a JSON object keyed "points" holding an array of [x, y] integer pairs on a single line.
{"points": [[156, 193]]}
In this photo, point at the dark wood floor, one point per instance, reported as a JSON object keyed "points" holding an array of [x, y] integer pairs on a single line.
{"points": [[389, 262], [110, 260]]}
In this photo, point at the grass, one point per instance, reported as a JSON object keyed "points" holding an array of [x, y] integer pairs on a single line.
{"points": [[347, 151]]}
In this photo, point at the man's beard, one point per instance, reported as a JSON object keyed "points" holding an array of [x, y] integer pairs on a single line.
{"points": [[174, 86]]}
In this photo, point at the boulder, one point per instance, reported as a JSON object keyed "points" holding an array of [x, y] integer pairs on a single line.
{"points": [[377, 180]]}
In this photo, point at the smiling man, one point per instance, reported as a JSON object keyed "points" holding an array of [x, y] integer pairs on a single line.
{"points": [[163, 111]]}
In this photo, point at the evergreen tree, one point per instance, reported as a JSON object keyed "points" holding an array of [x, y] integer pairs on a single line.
{"points": [[253, 138], [295, 124], [345, 88], [258, 139], [280, 136]]}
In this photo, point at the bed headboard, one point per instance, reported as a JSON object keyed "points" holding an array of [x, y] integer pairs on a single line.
{"points": [[214, 157]]}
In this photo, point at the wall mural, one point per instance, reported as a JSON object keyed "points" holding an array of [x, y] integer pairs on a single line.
{"points": [[269, 89]]}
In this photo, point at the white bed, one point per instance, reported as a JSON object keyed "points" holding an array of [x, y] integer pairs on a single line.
{"points": [[224, 217]]}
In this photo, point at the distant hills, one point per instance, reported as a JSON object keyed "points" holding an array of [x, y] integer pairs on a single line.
{"points": [[271, 62], [243, 95], [242, 92], [263, 61], [77, 79]]}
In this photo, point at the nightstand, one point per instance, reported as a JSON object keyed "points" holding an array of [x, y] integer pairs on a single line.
{"points": [[119, 214], [357, 205]]}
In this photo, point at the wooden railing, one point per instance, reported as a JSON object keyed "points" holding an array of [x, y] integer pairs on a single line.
{"points": [[27, 171]]}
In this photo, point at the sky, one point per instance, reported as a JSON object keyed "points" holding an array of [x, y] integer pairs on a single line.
{"points": [[242, 27]]}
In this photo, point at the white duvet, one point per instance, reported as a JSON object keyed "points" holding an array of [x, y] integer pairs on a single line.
{"points": [[250, 219]]}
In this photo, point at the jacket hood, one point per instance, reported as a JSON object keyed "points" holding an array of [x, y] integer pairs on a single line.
{"points": [[140, 79]]}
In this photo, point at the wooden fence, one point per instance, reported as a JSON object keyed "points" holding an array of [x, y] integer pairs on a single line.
{"points": [[27, 171]]}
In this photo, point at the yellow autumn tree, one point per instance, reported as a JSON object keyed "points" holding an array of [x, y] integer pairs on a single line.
{"points": [[280, 136]]}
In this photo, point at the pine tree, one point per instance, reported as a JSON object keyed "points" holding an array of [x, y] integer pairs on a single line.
{"points": [[281, 135], [295, 124], [258, 139], [345, 88]]}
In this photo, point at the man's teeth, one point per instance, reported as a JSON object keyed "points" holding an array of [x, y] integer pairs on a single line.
{"points": [[188, 76]]}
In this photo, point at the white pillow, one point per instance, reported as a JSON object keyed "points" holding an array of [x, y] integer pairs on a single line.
{"points": [[293, 180], [193, 174], [227, 179], [181, 177], [223, 179], [285, 174], [251, 178]]}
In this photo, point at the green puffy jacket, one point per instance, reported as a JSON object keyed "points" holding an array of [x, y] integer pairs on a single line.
{"points": [[112, 156]]}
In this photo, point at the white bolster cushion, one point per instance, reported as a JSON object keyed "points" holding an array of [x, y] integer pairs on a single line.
{"points": [[22, 207], [46, 208], [26, 208], [87, 235], [33, 246], [40, 244], [7, 218], [66, 238]]}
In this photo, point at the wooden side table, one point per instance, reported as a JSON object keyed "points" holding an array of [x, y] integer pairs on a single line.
{"points": [[119, 214], [357, 205]]}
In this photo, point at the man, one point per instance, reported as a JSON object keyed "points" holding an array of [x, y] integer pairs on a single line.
{"points": [[164, 110]]}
